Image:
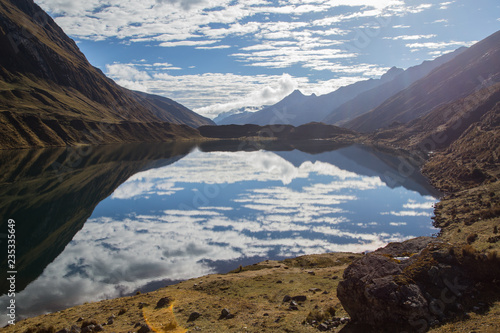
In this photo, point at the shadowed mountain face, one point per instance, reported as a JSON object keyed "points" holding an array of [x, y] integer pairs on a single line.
{"points": [[454, 80], [50, 94]]}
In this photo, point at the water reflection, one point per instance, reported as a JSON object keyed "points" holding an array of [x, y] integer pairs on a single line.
{"points": [[175, 218]]}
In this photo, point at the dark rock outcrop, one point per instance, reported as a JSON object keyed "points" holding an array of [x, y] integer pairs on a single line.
{"points": [[415, 284]]}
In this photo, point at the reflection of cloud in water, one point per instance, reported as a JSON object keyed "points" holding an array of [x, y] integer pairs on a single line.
{"points": [[110, 258], [113, 256], [140, 188], [412, 204], [214, 168]]}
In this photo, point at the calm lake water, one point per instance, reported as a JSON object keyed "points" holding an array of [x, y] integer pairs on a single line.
{"points": [[103, 222]]}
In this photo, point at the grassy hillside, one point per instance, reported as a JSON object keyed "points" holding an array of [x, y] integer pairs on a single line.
{"points": [[49, 92]]}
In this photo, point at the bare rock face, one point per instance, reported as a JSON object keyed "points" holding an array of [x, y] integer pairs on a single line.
{"points": [[412, 285]]}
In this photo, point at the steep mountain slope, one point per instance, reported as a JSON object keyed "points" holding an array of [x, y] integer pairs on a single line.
{"points": [[372, 98], [455, 79], [46, 84], [474, 157], [297, 109], [463, 135]]}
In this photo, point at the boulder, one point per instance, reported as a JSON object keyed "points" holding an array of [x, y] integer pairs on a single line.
{"points": [[194, 315], [299, 298], [163, 302], [144, 328], [410, 285]]}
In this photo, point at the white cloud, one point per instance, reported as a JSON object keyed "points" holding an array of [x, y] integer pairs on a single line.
{"points": [[445, 5], [126, 72], [440, 21], [288, 39], [212, 93], [68, 6], [187, 43], [167, 20], [222, 92], [213, 47], [185, 4], [411, 37], [266, 92], [438, 45], [397, 224]]}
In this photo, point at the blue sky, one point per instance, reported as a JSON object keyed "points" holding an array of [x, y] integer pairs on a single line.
{"points": [[215, 56]]}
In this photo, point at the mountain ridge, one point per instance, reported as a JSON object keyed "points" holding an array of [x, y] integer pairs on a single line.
{"points": [[366, 101], [44, 75], [298, 109], [451, 81]]}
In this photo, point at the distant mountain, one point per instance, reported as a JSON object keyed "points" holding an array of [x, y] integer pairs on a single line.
{"points": [[237, 118], [451, 81], [372, 98], [229, 117], [298, 109], [51, 95]]}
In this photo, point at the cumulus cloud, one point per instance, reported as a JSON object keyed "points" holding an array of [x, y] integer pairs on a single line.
{"points": [[212, 93], [411, 37], [126, 72], [262, 35], [185, 4], [68, 7], [438, 45], [263, 95], [445, 5]]}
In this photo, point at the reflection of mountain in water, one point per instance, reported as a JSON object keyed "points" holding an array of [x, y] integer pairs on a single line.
{"points": [[50, 194], [367, 161], [363, 160]]}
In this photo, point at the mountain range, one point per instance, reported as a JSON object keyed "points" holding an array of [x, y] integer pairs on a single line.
{"points": [[298, 109], [368, 100], [51, 95], [466, 73], [342, 105]]}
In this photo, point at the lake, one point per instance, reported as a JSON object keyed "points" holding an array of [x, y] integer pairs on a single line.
{"points": [[102, 222]]}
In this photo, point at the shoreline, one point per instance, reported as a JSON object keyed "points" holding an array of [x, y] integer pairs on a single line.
{"points": [[272, 272]]}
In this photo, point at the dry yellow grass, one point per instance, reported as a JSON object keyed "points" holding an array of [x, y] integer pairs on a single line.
{"points": [[253, 295]]}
